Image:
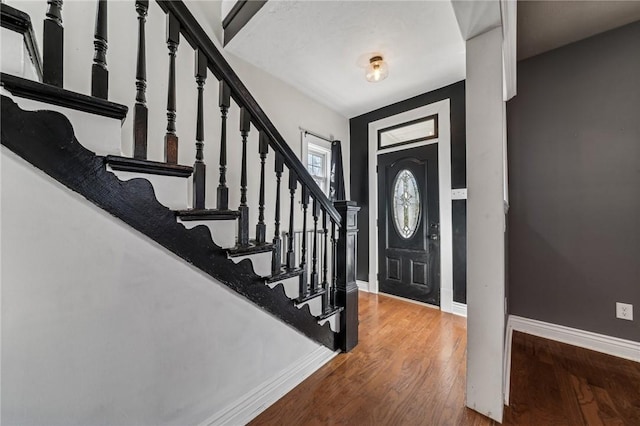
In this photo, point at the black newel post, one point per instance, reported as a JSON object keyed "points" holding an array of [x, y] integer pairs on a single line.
{"points": [[224, 102], [276, 262], [346, 287], [243, 224], [199, 168], [140, 113], [99, 71], [261, 227], [171, 139], [53, 44], [291, 254]]}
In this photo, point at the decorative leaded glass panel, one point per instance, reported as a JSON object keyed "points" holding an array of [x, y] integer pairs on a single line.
{"points": [[406, 203]]}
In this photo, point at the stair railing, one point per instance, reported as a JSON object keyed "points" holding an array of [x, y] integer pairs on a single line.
{"points": [[327, 256]]}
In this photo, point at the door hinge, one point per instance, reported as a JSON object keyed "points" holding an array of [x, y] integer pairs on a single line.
{"points": [[376, 169]]}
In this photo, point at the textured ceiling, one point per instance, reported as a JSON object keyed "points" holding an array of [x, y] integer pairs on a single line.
{"points": [[323, 47], [546, 25]]}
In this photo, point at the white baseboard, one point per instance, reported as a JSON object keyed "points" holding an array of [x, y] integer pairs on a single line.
{"points": [[615, 346], [459, 309], [363, 285], [246, 408]]}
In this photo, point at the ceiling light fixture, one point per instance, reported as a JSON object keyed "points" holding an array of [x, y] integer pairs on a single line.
{"points": [[377, 70]]}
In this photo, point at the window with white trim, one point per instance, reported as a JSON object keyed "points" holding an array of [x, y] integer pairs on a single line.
{"points": [[316, 156]]}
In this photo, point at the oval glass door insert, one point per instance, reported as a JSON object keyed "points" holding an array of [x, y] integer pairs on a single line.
{"points": [[406, 203]]}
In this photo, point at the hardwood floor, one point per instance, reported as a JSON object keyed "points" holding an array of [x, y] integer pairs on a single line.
{"points": [[409, 369]]}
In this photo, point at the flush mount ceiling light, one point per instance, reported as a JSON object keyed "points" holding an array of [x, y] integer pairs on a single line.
{"points": [[377, 70]]}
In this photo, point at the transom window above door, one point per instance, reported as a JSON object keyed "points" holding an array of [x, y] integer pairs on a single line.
{"points": [[419, 130]]}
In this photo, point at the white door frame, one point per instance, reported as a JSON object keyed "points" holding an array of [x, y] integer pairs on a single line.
{"points": [[444, 185]]}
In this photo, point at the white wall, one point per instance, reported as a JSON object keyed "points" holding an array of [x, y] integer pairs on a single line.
{"points": [[100, 325], [287, 107]]}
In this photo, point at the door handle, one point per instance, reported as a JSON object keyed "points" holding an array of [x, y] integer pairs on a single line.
{"points": [[434, 237]]}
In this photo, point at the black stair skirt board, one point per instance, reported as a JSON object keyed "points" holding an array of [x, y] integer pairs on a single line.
{"points": [[36, 91], [330, 312], [252, 248], [207, 214], [126, 164], [310, 296], [46, 140], [18, 21], [285, 274]]}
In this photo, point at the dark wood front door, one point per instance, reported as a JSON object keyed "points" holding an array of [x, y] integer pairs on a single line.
{"points": [[409, 224]]}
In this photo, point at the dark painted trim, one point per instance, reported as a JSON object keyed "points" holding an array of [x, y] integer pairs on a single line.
{"points": [[239, 15], [18, 21], [310, 296], [198, 39], [329, 313], [285, 274], [47, 93], [46, 140], [252, 248], [207, 214], [127, 164], [409, 123]]}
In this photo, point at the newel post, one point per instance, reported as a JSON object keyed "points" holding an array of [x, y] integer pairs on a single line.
{"points": [[346, 287]]}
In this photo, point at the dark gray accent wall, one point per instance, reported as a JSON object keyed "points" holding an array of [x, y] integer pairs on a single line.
{"points": [[359, 138], [574, 184]]}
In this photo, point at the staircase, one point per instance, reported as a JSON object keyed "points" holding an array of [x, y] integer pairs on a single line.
{"points": [[309, 285]]}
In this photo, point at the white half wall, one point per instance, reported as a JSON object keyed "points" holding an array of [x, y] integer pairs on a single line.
{"points": [[100, 325], [485, 224]]}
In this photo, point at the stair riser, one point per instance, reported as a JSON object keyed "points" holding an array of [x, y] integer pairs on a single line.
{"points": [[223, 232], [291, 287], [101, 135], [261, 262], [334, 322], [171, 191], [315, 305]]}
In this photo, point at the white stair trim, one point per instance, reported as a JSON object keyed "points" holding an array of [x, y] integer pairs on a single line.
{"points": [[245, 409], [615, 346], [459, 309]]}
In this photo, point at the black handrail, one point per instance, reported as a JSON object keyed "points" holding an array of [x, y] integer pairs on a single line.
{"points": [[195, 35]]}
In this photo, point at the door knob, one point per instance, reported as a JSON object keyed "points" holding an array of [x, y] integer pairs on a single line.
{"points": [[433, 237]]}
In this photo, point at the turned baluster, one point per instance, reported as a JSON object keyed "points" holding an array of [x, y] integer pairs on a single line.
{"points": [[314, 254], [304, 286], [243, 229], [261, 227], [224, 102], [140, 112], [53, 44], [99, 71], [291, 255], [199, 168], [170, 138], [276, 262], [325, 265]]}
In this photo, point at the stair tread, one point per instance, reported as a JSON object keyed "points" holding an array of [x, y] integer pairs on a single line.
{"points": [[127, 164], [284, 274], [47, 93], [311, 295], [330, 312], [207, 214], [252, 248]]}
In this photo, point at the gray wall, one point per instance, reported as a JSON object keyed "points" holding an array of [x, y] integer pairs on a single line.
{"points": [[574, 171]]}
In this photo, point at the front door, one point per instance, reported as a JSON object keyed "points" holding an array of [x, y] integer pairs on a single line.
{"points": [[408, 224]]}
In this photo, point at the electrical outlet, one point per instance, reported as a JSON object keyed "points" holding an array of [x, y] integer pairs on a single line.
{"points": [[624, 311]]}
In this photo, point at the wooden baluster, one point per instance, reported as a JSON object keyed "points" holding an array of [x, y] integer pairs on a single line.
{"points": [[99, 71], [332, 295], [140, 112], [243, 229], [304, 286], [314, 254], [224, 102], [261, 227], [325, 265], [199, 168], [276, 263], [171, 139], [53, 45], [291, 254], [346, 288]]}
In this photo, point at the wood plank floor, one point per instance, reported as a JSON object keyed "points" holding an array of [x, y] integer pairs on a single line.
{"points": [[409, 369]]}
